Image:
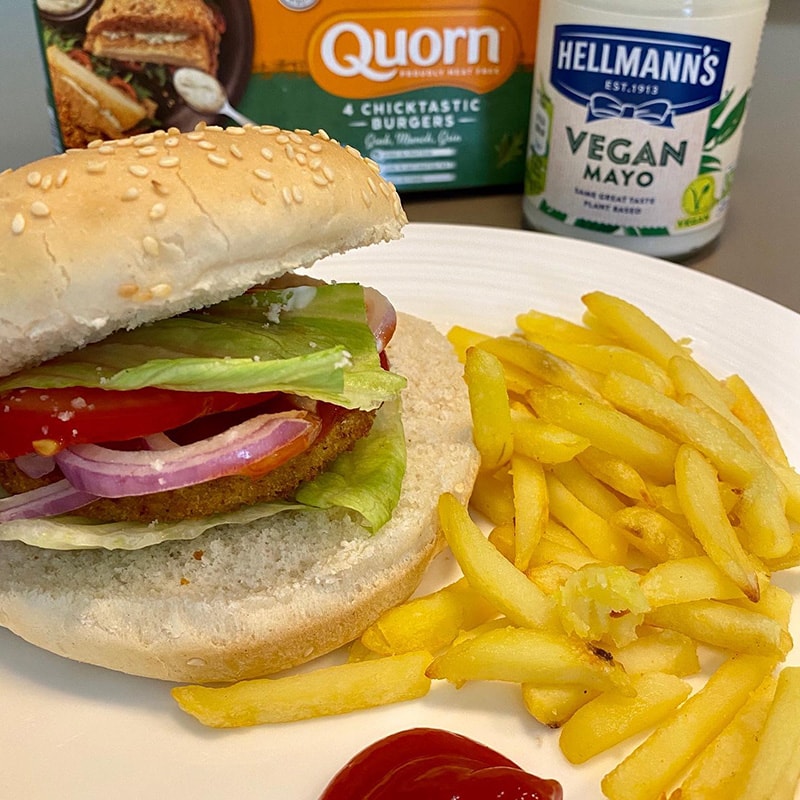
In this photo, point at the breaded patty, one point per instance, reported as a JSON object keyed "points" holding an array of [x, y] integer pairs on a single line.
{"points": [[222, 494]]}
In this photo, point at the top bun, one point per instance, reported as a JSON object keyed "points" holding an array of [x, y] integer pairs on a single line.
{"points": [[131, 231]]}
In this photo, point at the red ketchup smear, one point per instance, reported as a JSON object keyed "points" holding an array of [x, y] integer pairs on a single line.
{"points": [[435, 765]]}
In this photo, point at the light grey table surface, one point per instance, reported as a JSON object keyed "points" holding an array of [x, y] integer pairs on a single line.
{"points": [[759, 248]]}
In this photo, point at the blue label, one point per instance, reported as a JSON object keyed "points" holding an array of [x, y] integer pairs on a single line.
{"points": [[650, 76]]}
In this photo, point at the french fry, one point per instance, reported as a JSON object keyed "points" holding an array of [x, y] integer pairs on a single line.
{"points": [[554, 705], [733, 462], [775, 769], [427, 623], [719, 624], [603, 541], [525, 655], [322, 692], [490, 574], [550, 576], [718, 770], [681, 580], [660, 651], [535, 323], [604, 358], [615, 473], [491, 414], [463, 338], [542, 365], [590, 491], [608, 429], [493, 496], [754, 417], [654, 535], [547, 443], [531, 506], [611, 718], [633, 327], [654, 765], [602, 602], [698, 494]]}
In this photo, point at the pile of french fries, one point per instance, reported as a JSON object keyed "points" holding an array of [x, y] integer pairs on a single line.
{"points": [[638, 508]]}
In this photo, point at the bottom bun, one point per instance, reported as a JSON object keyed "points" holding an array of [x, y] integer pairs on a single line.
{"points": [[250, 600]]}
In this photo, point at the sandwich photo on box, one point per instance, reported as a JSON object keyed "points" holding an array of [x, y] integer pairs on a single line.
{"points": [[180, 33]]}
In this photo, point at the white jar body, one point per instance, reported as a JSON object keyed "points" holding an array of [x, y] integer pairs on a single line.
{"points": [[637, 117]]}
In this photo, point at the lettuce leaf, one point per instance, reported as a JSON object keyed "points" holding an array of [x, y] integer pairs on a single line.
{"points": [[311, 341], [367, 480]]}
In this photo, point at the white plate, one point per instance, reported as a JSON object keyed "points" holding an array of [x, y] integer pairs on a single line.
{"points": [[74, 731]]}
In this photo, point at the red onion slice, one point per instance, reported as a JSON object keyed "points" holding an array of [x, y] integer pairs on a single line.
{"points": [[46, 501], [381, 316], [34, 465], [118, 473]]}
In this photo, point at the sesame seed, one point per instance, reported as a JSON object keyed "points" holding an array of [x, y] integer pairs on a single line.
{"points": [[168, 161], [234, 131], [323, 135], [352, 150], [269, 129], [264, 174], [258, 197], [106, 150], [206, 145], [95, 143], [282, 138], [301, 159], [289, 152], [366, 197], [236, 152], [131, 193], [304, 131], [287, 195], [123, 142], [158, 211], [266, 153], [319, 179], [161, 290], [17, 224], [47, 182], [295, 137], [297, 194], [150, 246], [149, 150], [218, 160], [196, 135], [40, 209], [34, 179], [373, 165], [328, 173], [96, 167], [372, 185], [315, 162], [385, 189], [61, 178], [127, 290], [315, 147], [172, 141], [143, 140], [138, 170]]}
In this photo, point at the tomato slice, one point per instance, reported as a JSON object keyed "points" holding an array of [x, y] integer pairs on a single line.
{"points": [[48, 420]]}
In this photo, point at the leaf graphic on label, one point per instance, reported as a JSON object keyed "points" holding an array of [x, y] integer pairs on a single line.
{"points": [[733, 120]]}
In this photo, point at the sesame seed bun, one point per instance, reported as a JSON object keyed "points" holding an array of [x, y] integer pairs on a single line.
{"points": [[245, 601], [131, 231]]}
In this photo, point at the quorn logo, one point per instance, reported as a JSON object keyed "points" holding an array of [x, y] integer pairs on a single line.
{"points": [[380, 53]]}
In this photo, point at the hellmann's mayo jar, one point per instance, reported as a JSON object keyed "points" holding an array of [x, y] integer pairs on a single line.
{"points": [[636, 119]]}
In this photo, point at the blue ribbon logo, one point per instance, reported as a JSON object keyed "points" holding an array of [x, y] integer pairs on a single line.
{"points": [[606, 106]]}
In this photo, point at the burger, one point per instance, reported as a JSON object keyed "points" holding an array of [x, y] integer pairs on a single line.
{"points": [[216, 467]]}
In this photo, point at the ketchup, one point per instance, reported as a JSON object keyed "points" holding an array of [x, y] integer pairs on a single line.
{"points": [[435, 765]]}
